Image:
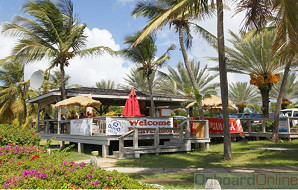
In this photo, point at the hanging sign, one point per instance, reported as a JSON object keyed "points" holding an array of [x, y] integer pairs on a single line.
{"points": [[120, 126]]}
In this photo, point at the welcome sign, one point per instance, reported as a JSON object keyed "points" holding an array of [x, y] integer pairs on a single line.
{"points": [[120, 126]]}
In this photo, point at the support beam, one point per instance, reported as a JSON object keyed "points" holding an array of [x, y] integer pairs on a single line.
{"points": [[104, 150], [38, 117], [62, 144], [136, 138], [59, 120], [121, 147], [80, 147]]}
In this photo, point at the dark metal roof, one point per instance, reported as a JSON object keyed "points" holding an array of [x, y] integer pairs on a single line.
{"points": [[111, 97]]}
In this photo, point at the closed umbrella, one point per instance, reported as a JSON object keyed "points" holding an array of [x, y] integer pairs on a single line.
{"points": [[132, 108]]}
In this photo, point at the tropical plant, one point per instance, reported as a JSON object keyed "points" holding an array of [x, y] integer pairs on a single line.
{"points": [[178, 82], [144, 54], [136, 79], [103, 84], [197, 9], [285, 44], [178, 15], [254, 58], [53, 32], [14, 92], [291, 90], [243, 94]]}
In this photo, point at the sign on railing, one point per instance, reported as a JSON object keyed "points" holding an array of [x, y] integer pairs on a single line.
{"points": [[120, 126], [81, 126]]}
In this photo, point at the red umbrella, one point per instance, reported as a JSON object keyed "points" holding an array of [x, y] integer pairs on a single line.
{"points": [[132, 108]]}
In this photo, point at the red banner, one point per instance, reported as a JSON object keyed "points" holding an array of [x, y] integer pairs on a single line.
{"points": [[216, 125]]}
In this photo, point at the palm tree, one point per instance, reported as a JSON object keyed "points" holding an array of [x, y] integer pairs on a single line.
{"points": [[196, 9], [291, 89], [144, 54], [176, 14], [14, 92], [243, 94], [178, 82], [285, 43], [103, 84], [254, 58], [136, 79], [53, 32]]}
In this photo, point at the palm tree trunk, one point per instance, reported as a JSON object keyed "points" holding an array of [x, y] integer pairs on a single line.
{"points": [[62, 87], [265, 102], [279, 100], [151, 95], [188, 68], [223, 81]]}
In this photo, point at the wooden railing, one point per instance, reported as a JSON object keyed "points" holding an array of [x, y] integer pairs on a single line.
{"points": [[184, 134]]}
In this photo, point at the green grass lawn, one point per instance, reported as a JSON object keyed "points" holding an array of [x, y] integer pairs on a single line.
{"points": [[244, 155]]}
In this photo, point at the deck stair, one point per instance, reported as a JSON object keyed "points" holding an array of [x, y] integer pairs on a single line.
{"points": [[181, 142]]}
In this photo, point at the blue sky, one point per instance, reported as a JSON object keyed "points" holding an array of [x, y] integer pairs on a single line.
{"points": [[108, 22]]}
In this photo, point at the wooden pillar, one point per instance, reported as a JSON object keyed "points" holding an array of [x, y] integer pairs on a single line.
{"points": [[80, 147], [47, 126], [264, 126], [104, 150], [181, 133], [59, 120], [156, 140], [206, 134], [121, 147], [38, 117], [187, 129], [136, 138], [62, 144]]}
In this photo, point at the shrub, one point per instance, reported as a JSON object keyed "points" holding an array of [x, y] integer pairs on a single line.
{"points": [[31, 167], [10, 134]]}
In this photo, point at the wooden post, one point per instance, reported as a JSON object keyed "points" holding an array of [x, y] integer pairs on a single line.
{"points": [[264, 126], [80, 147], [136, 138], [104, 150], [121, 147], [187, 129], [38, 117], [289, 125], [156, 137], [62, 144], [249, 125], [47, 126], [59, 120], [181, 133], [206, 133]]}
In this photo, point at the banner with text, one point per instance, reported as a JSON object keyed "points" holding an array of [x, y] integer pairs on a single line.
{"points": [[120, 126], [216, 125], [81, 126]]}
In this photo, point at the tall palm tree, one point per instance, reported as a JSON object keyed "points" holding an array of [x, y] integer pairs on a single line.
{"points": [[103, 84], [197, 8], [285, 43], [243, 94], [137, 80], [176, 14], [144, 54], [254, 58], [53, 32], [178, 82], [14, 92]]}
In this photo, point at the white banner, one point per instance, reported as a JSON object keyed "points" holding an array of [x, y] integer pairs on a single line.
{"points": [[120, 126], [81, 126]]}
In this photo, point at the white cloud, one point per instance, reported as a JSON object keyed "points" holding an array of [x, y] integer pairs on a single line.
{"points": [[84, 71]]}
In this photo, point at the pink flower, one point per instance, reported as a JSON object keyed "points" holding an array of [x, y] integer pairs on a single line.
{"points": [[72, 185], [77, 188]]}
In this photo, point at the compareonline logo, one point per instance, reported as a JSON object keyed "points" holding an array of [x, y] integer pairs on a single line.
{"points": [[250, 180]]}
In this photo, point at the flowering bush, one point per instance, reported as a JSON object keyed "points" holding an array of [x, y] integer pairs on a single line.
{"points": [[31, 167], [10, 134]]}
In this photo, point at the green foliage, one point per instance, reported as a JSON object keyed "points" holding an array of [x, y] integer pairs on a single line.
{"points": [[23, 167], [11, 134]]}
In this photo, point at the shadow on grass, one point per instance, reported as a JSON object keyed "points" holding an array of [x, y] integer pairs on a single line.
{"points": [[181, 160]]}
